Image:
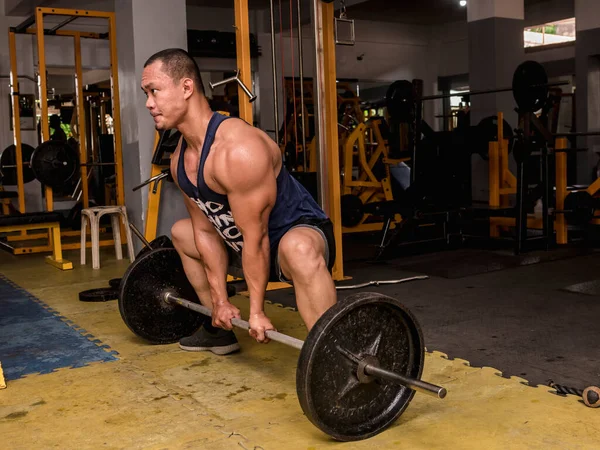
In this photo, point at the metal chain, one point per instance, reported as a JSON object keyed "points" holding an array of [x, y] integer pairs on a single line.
{"points": [[343, 9]]}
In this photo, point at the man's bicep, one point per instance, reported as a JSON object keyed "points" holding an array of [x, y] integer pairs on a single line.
{"points": [[251, 208]]}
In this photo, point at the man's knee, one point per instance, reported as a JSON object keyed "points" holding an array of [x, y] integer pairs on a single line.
{"points": [[301, 254], [182, 231], [182, 235]]}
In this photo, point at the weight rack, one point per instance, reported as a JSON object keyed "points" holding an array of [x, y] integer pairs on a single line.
{"points": [[34, 25]]}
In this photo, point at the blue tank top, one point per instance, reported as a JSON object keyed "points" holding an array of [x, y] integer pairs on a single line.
{"points": [[292, 203]]}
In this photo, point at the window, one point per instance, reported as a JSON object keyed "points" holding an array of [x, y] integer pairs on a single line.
{"points": [[550, 33]]}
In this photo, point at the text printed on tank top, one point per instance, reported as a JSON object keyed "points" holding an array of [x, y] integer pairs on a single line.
{"points": [[223, 222]]}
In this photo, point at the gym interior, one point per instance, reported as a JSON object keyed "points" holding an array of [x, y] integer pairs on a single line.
{"points": [[453, 144]]}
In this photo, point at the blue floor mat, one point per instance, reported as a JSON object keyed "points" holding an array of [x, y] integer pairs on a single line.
{"points": [[36, 339]]}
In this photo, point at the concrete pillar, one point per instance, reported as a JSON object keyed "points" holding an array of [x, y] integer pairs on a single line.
{"points": [[142, 30], [495, 50], [587, 63]]}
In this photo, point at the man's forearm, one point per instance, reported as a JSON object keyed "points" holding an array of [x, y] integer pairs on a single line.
{"points": [[255, 261], [215, 260]]}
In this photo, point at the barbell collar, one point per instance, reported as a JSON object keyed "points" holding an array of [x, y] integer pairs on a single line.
{"points": [[271, 334], [412, 383]]}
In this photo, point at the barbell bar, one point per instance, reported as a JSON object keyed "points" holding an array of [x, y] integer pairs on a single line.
{"points": [[487, 91], [577, 134], [14, 166], [94, 164], [372, 368], [530, 88]]}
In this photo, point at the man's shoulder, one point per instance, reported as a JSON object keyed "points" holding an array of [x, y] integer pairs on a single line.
{"points": [[235, 135], [240, 147], [232, 125]]}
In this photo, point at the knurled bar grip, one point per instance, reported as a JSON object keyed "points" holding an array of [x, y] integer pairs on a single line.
{"points": [[271, 334]]}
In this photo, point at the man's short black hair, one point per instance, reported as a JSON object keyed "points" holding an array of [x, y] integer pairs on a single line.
{"points": [[178, 64]]}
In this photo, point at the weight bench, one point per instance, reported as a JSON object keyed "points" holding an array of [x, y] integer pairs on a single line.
{"points": [[411, 217], [5, 199], [39, 221]]}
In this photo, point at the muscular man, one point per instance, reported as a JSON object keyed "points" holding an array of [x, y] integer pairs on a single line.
{"points": [[243, 205]]}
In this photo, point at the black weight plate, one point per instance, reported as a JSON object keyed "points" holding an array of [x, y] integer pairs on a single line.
{"points": [[579, 207], [529, 86], [352, 210], [9, 158], [141, 301], [99, 295], [114, 283], [328, 388], [487, 131], [55, 163], [160, 242], [399, 100]]}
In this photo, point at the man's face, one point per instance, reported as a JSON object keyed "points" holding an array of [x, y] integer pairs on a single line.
{"points": [[165, 98]]}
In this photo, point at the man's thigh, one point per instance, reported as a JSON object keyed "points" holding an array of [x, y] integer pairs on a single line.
{"points": [[316, 233]]}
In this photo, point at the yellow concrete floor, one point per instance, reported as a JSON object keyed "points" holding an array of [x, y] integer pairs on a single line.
{"points": [[159, 397]]}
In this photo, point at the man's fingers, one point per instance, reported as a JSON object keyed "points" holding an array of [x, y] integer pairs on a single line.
{"points": [[257, 334]]}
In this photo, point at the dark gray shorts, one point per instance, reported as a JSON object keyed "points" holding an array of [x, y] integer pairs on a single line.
{"points": [[323, 226]]}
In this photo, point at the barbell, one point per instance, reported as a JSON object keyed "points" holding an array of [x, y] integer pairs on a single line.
{"points": [[358, 368], [580, 207], [52, 163], [529, 88]]}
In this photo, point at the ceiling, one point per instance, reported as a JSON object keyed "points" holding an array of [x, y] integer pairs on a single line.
{"points": [[422, 12], [427, 12], [252, 4]]}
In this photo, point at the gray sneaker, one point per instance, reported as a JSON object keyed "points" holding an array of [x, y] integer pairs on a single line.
{"points": [[222, 342]]}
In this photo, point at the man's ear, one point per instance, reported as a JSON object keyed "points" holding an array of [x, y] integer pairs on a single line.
{"points": [[188, 87]]}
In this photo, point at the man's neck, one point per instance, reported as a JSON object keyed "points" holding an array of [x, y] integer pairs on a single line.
{"points": [[195, 125]]}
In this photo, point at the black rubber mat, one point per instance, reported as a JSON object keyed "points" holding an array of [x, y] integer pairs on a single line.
{"points": [[467, 262], [520, 322]]}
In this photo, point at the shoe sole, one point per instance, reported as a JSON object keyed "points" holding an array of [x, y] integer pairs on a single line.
{"points": [[224, 350]]}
